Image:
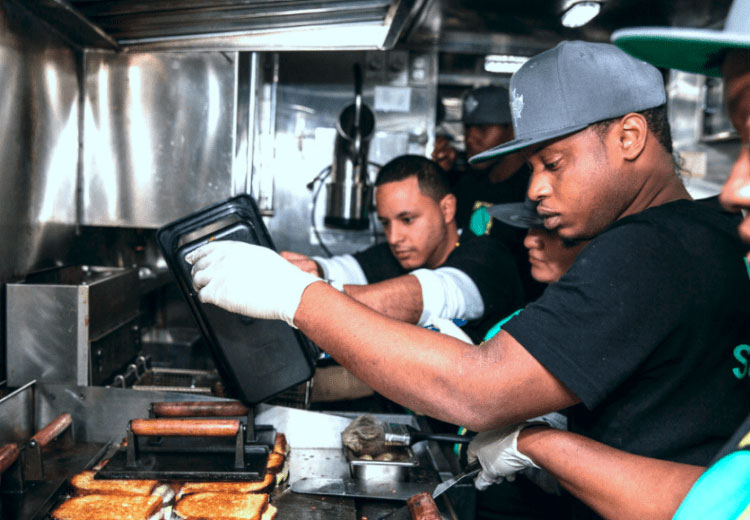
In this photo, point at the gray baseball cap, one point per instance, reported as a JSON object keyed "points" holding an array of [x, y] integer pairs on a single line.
{"points": [[693, 50], [517, 214], [567, 88], [486, 106]]}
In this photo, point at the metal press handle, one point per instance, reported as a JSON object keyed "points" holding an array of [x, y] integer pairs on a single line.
{"points": [[199, 409], [185, 427], [8, 455], [53, 430]]}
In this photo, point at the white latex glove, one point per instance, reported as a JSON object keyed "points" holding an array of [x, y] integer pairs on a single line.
{"points": [[248, 279], [497, 451], [446, 326]]}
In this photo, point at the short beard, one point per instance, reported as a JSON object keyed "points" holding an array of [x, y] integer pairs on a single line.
{"points": [[572, 242]]}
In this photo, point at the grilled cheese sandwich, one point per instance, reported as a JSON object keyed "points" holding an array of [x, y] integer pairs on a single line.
{"points": [[221, 506], [262, 486], [109, 507], [84, 483]]}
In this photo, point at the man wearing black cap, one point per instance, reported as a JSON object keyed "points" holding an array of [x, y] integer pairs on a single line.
{"points": [[487, 123], [636, 339]]}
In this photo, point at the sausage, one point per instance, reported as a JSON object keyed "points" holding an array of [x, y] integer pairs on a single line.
{"points": [[53, 429], [423, 507], [8, 455], [200, 409], [185, 427]]}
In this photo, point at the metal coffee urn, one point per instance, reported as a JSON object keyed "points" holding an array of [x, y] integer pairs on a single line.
{"points": [[348, 191]]}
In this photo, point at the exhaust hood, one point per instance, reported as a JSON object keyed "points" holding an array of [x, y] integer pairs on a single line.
{"points": [[231, 25]]}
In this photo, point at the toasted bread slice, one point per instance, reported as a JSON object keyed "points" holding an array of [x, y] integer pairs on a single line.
{"points": [[221, 506], [85, 484], [108, 507], [261, 486], [269, 513], [280, 445], [275, 462]]}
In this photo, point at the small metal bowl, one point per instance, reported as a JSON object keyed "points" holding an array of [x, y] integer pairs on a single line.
{"points": [[396, 470]]}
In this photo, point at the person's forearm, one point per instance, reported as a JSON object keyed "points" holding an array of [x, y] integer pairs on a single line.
{"points": [[398, 298], [614, 483], [482, 388]]}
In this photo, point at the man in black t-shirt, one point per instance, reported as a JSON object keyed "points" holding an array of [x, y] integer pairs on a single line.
{"points": [[485, 114], [637, 339], [424, 271]]}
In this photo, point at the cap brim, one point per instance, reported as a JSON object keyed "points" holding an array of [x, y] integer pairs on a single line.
{"points": [[524, 142], [516, 214], [693, 50]]}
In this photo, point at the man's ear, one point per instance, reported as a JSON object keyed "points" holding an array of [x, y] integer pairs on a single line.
{"points": [[632, 135], [448, 208]]}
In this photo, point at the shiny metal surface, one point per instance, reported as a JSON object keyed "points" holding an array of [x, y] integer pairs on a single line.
{"points": [[59, 325], [384, 470], [16, 415], [39, 122], [349, 190], [313, 89], [100, 414], [158, 136], [694, 118], [232, 25]]}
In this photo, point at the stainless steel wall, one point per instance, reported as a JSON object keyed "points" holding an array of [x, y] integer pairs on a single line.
{"points": [[702, 135], [39, 125], [307, 92], [158, 136]]}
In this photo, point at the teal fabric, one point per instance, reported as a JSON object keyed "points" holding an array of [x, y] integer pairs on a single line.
{"points": [[499, 326], [479, 221], [747, 265], [722, 492]]}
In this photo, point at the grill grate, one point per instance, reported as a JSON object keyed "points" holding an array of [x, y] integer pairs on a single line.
{"points": [[178, 380]]}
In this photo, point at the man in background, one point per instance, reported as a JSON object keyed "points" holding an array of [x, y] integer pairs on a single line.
{"points": [[487, 124], [424, 271]]}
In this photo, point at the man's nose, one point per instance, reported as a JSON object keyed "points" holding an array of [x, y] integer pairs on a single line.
{"points": [[539, 188], [533, 240], [395, 234]]}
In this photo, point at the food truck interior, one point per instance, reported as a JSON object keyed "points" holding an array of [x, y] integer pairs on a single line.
{"points": [[119, 117]]}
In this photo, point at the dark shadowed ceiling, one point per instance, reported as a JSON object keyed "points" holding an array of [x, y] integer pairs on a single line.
{"points": [[473, 26], [505, 25]]}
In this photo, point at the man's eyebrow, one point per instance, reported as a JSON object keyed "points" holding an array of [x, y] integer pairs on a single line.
{"points": [[406, 213]]}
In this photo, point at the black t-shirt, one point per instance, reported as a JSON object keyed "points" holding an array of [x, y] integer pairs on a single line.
{"points": [[484, 259], [475, 186], [378, 263], [473, 190], [644, 328]]}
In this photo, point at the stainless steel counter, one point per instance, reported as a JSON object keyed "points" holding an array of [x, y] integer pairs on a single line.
{"points": [[100, 415]]}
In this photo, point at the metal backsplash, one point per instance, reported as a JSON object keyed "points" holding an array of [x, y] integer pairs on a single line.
{"points": [[158, 136], [310, 92], [39, 122]]}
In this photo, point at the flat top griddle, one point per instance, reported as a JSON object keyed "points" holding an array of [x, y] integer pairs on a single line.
{"points": [[257, 359]]}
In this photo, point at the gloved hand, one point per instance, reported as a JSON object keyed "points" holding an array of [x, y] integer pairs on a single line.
{"points": [[248, 279], [497, 451], [303, 262]]}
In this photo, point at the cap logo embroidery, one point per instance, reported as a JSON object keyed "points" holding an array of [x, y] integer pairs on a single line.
{"points": [[470, 104], [516, 105]]}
